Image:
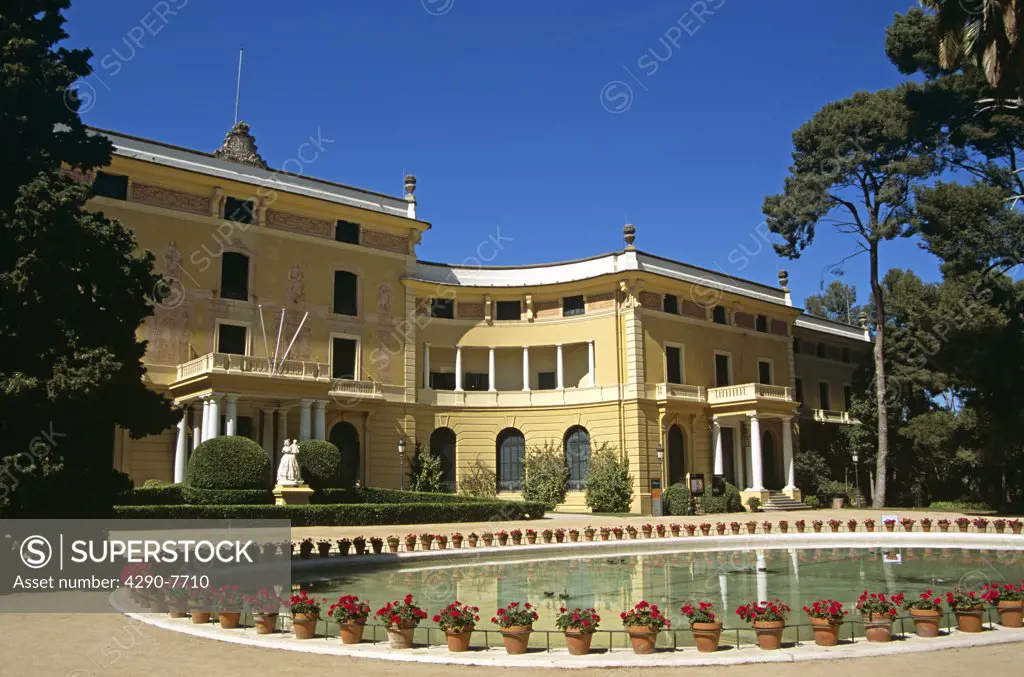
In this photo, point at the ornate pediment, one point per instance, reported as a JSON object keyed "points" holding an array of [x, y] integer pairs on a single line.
{"points": [[240, 146]]}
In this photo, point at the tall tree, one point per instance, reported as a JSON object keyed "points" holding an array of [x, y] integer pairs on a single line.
{"points": [[838, 302], [74, 290], [855, 164]]}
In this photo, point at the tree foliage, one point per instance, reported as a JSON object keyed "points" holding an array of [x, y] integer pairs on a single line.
{"points": [[547, 475], [609, 484], [427, 472], [838, 302]]}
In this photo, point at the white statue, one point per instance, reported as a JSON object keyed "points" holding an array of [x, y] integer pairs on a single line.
{"points": [[288, 474]]}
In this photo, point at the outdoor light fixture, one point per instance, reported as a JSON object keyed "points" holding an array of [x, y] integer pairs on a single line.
{"points": [[661, 452], [401, 463]]}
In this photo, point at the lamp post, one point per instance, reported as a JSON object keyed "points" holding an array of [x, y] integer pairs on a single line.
{"points": [[401, 463]]}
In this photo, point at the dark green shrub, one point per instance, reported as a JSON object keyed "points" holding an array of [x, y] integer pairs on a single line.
{"points": [[427, 472], [320, 465], [336, 496], [378, 495], [677, 500], [166, 494], [344, 515], [609, 485], [193, 496], [547, 476], [479, 482], [754, 503], [229, 462], [812, 502], [728, 502]]}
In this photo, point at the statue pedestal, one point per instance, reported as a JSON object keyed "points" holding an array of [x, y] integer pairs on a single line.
{"points": [[292, 495]]}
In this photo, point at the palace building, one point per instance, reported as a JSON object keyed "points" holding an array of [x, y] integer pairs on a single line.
{"points": [[294, 307]]}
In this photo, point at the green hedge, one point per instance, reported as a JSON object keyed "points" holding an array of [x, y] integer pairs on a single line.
{"points": [[377, 495], [343, 515], [167, 494], [177, 494], [229, 462], [727, 502]]}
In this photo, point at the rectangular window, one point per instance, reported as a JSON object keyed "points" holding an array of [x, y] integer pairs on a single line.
{"points": [[719, 315], [796, 346], [238, 210], [232, 339], [764, 372], [573, 305], [343, 358], [823, 399], [761, 323], [509, 310], [346, 231], [673, 364], [723, 370], [670, 304], [442, 380], [443, 308], [822, 350], [546, 380], [345, 291], [799, 389], [474, 381], [847, 397], [111, 185], [234, 276], [846, 355]]}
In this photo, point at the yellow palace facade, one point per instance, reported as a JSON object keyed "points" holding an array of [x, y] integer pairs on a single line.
{"points": [[296, 308]]}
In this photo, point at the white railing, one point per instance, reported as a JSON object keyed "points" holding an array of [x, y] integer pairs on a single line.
{"points": [[518, 398], [680, 391], [361, 389], [226, 363], [749, 392], [832, 416]]}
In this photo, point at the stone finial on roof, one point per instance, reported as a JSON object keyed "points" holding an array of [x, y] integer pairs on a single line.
{"points": [[240, 146], [410, 187], [629, 235], [784, 279]]}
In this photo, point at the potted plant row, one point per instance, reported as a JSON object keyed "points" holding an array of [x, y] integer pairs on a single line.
{"points": [[579, 626], [400, 619], [826, 616], [457, 621], [1008, 599], [516, 623], [350, 614], [643, 623], [768, 620], [926, 611], [707, 630], [878, 611]]}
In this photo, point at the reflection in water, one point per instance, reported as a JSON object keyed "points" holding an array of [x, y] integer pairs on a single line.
{"points": [[727, 579]]}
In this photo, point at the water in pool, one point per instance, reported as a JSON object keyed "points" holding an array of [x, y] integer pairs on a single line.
{"points": [[612, 583]]}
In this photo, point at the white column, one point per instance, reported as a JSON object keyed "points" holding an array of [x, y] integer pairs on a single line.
{"points": [[204, 426], [267, 436], [181, 450], [526, 369], [716, 436], [787, 452], [319, 420], [231, 415], [591, 379], [757, 480], [197, 424], [490, 370], [560, 371], [426, 365], [458, 369], [304, 419], [215, 415]]}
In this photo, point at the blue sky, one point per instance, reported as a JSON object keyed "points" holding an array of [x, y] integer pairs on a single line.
{"points": [[548, 122]]}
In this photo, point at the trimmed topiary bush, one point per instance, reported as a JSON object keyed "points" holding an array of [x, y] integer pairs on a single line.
{"points": [[229, 462], [609, 486], [678, 501], [320, 465]]}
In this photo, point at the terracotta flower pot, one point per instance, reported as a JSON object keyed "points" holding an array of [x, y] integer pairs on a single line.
{"points": [[200, 617], [175, 610], [503, 540], [720, 528], [578, 643], [784, 528], [674, 531], [1016, 528], [459, 641], [826, 633], [926, 528], [393, 547], [351, 632], [472, 542], [869, 527], [488, 541], [304, 625], [800, 528], [970, 621], [817, 528], [516, 638], [266, 624], [769, 634], [517, 540], [604, 537], [228, 619], [962, 528], [926, 622], [531, 538], [588, 537], [878, 627], [401, 636], [834, 528], [377, 547], [457, 543], [573, 538], [706, 636], [647, 532], [642, 638], [705, 531], [1011, 614], [751, 528]]}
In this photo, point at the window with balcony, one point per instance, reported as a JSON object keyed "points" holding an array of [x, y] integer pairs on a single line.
{"points": [[110, 185], [238, 210], [670, 304], [442, 380], [761, 323], [673, 364], [547, 380], [764, 372], [232, 339], [443, 308], [343, 358], [346, 287], [508, 310], [573, 305], [723, 370], [346, 231], [824, 402], [719, 315], [234, 276]]}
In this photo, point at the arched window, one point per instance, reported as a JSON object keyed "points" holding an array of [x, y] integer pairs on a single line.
{"points": [[577, 456], [345, 436], [511, 452], [676, 455], [442, 444]]}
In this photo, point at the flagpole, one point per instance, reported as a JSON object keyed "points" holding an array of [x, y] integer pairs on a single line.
{"points": [[238, 84]]}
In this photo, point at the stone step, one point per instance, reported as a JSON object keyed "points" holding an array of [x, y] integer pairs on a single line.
{"points": [[778, 501]]}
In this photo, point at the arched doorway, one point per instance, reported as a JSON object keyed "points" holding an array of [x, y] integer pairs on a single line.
{"points": [[510, 448], [442, 444], [676, 455], [770, 462], [577, 456], [345, 436]]}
